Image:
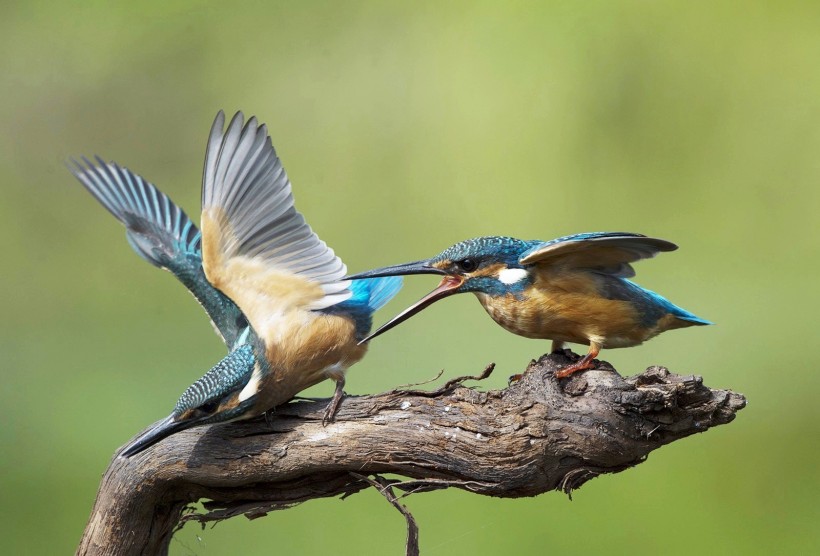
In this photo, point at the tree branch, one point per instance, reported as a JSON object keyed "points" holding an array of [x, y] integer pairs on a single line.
{"points": [[537, 435]]}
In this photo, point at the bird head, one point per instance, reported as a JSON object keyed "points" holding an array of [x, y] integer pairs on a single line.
{"points": [[485, 265], [214, 398]]}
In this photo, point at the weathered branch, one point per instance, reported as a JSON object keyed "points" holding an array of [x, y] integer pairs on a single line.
{"points": [[536, 436]]}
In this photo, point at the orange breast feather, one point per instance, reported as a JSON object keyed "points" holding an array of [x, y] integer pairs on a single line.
{"points": [[565, 307]]}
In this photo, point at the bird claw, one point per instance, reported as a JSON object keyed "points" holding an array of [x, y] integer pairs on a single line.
{"points": [[334, 404], [581, 365], [514, 378], [269, 417], [329, 415]]}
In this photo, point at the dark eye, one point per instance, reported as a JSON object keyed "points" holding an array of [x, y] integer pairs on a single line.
{"points": [[209, 407], [241, 321], [467, 265]]}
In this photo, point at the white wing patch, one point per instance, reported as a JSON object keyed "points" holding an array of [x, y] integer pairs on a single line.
{"points": [[511, 275]]}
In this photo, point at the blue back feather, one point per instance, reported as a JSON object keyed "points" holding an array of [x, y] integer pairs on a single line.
{"points": [[375, 292], [649, 304], [673, 309], [369, 295]]}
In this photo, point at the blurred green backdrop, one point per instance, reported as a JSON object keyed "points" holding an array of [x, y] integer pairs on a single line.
{"points": [[406, 127]]}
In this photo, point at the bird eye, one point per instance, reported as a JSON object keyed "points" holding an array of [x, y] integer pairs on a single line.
{"points": [[241, 322], [467, 265], [209, 407]]}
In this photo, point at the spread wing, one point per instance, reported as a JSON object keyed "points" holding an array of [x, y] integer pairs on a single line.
{"points": [[605, 252], [256, 248], [159, 231]]}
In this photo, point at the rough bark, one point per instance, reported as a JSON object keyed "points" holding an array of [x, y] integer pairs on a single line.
{"points": [[537, 435]]}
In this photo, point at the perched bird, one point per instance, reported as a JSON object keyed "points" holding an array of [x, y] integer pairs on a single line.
{"points": [[570, 289], [272, 289]]}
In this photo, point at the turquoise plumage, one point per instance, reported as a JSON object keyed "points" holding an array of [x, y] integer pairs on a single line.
{"points": [[271, 287], [571, 289]]}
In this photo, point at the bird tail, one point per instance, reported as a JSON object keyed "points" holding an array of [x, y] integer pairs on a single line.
{"points": [[684, 318], [691, 320], [375, 292]]}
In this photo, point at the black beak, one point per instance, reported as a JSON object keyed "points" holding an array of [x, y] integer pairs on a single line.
{"points": [[157, 432], [448, 286], [417, 267]]}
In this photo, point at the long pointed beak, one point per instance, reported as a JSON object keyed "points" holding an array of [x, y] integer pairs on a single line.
{"points": [[416, 267], [448, 286], [157, 432]]}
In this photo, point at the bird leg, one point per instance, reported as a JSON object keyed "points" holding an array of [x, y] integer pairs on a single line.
{"points": [[586, 362], [557, 347], [334, 403], [269, 417]]}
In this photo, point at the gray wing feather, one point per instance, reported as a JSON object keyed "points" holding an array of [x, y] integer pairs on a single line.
{"points": [[159, 231], [157, 228], [245, 179], [605, 252]]}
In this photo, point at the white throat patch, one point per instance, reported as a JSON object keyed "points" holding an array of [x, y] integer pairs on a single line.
{"points": [[512, 275]]}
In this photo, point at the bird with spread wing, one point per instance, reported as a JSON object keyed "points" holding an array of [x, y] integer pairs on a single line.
{"points": [[273, 290], [571, 289]]}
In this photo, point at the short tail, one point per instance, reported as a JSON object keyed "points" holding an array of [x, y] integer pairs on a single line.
{"points": [[684, 317], [693, 320]]}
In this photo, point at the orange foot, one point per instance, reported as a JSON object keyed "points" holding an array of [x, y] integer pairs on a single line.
{"points": [[586, 362], [582, 365]]}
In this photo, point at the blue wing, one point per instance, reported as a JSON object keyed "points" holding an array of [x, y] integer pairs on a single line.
{"points": [[160, 232], [604, 252]]}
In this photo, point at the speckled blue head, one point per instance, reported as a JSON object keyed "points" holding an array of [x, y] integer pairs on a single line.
{"points": [[488, 265], [487, 250]]}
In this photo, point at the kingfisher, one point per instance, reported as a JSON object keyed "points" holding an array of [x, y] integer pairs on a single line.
{"points": [[571, 289], [273, 290]]}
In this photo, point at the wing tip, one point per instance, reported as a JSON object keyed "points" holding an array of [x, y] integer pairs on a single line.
{"points": [[245, 179], [647, 246]]}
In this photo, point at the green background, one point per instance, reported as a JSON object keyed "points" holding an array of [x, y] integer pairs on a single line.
{"points": [[406, 127]]}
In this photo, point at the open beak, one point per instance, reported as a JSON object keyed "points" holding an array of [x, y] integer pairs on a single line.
{"points": [[448, 286], [417, 267]]}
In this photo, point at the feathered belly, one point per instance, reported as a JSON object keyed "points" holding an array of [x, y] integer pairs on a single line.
{"points": [[569, 317], [530, 320], [310, 349]]}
